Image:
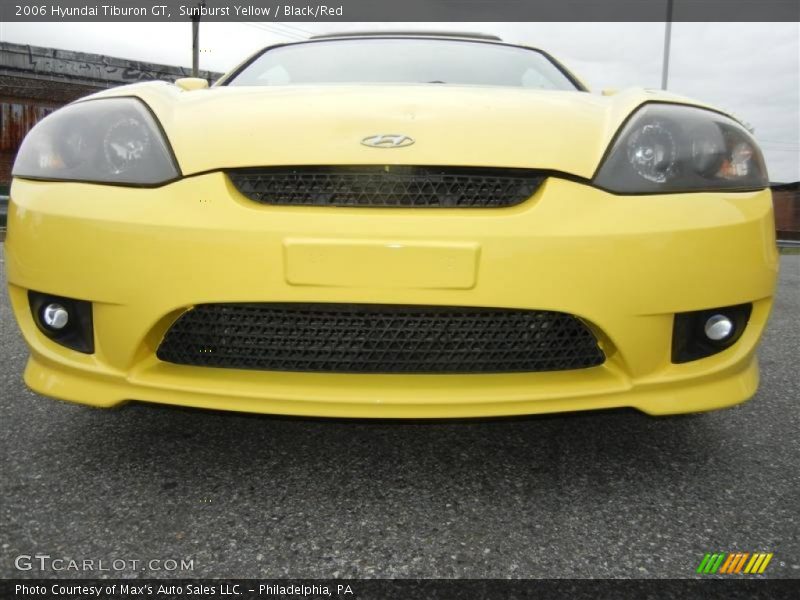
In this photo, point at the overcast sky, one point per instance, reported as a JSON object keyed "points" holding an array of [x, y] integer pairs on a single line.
{"points": [[749, 69]]}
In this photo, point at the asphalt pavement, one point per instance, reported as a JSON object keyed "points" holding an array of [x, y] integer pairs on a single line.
{"points": [[602, 494]]}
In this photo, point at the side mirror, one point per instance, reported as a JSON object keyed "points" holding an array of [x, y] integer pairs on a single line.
{"points": [[191, 83]]}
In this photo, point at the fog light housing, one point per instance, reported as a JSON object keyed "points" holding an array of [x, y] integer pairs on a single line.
{"points": [[66, 321], [703, 333]]}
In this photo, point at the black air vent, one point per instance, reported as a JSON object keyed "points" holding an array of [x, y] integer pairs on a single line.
{"points": [[388, 187], [374, 338]]}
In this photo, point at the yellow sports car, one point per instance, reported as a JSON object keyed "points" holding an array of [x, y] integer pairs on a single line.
{"points": [[392, 225]]}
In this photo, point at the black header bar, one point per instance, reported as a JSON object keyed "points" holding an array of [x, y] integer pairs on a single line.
{"points": [[737, 588], [400, 10]]}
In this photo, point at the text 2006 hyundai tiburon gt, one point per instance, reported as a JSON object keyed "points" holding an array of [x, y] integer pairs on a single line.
{"points": [[392, 225]]}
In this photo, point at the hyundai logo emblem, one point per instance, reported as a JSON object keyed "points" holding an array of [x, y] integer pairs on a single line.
{"points": [[387, 140]]}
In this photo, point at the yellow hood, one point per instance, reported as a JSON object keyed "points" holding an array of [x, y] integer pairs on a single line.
{"points": [[225, 127]]}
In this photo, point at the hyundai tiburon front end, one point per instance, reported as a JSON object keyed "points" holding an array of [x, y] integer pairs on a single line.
{"points": [[392, 225]]}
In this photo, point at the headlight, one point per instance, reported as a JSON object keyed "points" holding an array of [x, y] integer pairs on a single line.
{"points": [[668, 148], [113, 140]]}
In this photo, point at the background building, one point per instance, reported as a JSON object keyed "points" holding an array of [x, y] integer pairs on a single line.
{"points": [[786, 198]]}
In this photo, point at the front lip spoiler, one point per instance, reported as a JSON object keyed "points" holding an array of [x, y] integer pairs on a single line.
{"points": [[161, 383]]}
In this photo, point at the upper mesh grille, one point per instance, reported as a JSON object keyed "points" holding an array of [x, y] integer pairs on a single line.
{"points": [[367, 338], [389, 186]]}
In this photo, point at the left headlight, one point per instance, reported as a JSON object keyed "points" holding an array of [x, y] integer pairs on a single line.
{"points": [[113, 140], [667, 148]]}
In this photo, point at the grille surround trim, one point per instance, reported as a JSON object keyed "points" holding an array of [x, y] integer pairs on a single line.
{"points": [[379, 339], [387, 186]]}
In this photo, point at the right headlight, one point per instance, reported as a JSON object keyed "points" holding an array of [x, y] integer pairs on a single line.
{"points": [[666, 148], [112, 140]]}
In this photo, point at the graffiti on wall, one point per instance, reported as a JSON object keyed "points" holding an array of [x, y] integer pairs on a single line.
{"points": [[98, 69], [94, 70]]}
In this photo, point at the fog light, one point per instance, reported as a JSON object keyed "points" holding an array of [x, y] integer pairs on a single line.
{"points": [[55, 316], [66, 321], [718, 327], [702, 333]]}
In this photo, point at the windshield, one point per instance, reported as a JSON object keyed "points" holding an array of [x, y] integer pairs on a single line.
{"points": [[403, 61]]}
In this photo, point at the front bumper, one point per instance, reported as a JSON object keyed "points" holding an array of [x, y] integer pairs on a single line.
{"points": [[624, 264]]}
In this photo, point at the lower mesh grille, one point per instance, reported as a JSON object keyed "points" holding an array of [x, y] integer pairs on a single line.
{"points": [[387, 186], [373, 338]]}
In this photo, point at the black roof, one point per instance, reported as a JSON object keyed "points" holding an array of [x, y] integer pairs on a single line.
{"points": [[435, 34]]}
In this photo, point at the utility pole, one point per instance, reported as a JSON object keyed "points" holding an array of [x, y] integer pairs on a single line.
{"points": [[667, 39], [196, 39]]}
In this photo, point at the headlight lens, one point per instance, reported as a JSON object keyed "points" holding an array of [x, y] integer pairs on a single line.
{"points": [[114, 140], [668, 148]]}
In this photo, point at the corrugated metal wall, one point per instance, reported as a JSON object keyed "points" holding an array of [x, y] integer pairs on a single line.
{"points": [[787, 213], [16, 119]]}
